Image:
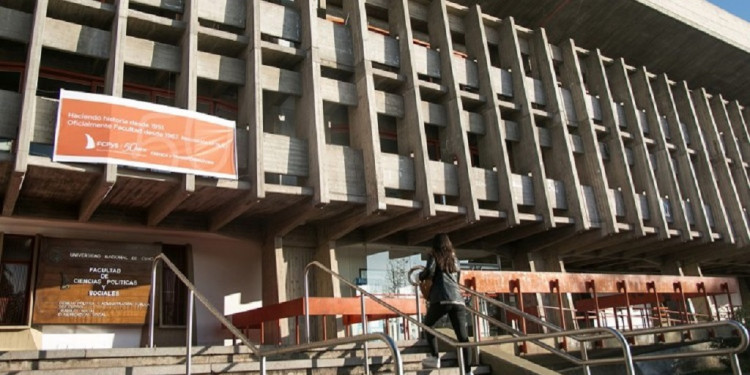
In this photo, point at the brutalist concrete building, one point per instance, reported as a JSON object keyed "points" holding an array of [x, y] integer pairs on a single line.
{"points": [[544, 135]]}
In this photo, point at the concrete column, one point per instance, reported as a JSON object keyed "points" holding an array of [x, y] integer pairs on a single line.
{"points": [[113, 85], [186, 97], [698, 305], [521, 262], [695, 305], [539, 262], [411, 127], [309, 113], [528, 151], [328, 286], [272, 260], [27, 117], [672, 267], [744, 294]]}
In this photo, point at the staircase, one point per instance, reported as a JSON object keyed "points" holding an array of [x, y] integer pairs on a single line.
{"points": [[348, 358], [343, 359]]}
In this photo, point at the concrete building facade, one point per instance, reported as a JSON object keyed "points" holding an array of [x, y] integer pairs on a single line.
{"points": [[378, 123]]}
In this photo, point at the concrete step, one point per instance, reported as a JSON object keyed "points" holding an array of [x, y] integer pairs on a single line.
{"points": [[344, 359], [562, 365]]}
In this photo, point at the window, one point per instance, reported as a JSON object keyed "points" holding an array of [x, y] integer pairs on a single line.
{"points": [[10, 76], [336, 118], [15, 264], [173, 291], [433, 142], [388, 132], [473, 149]]}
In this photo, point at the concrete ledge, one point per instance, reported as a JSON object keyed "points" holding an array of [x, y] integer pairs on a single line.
{"points": [[506, 363]]}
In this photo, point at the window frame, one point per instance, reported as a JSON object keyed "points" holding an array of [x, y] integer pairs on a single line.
{"points": [[187, 249], [30, 283]]}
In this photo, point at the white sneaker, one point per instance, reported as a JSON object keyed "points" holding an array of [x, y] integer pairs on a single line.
{"points": [[431, 362], [470, 373]]}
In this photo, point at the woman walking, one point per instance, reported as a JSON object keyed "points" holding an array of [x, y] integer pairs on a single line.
{"points": [[444, 297]]}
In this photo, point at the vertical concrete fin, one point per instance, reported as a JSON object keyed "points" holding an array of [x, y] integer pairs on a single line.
{"points": [[310, 123], [27, 118], [704, 171], [457, 143], [411, 127], [562, 165], [619, 171], [684, 166], [494, 147], [662, 159], [643, 174], [366, 138]]}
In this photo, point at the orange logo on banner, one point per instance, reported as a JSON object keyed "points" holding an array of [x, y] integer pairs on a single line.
{"points": [[99, 128]]}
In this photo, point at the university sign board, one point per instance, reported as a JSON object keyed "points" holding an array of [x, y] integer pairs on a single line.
{"points": [[93, 282], [94, 128]]}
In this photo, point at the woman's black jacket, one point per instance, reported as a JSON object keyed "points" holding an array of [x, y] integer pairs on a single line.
{"points": [[444, 284]]}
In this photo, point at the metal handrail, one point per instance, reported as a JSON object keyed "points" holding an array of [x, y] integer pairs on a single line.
{"points": [[525, 315], [573, 334], [598, 331], [259, 353], [731, 352]]}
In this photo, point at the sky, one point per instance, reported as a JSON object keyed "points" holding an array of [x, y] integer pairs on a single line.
{"points": [[740, 8]]}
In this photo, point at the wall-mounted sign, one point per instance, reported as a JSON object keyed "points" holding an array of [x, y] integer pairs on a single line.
{"points": [[93, 128], [89, 282]]}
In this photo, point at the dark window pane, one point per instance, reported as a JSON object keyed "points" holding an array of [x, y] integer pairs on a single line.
{"points": [[13, 294], [174, 292], [17, 249], [14, 280]]}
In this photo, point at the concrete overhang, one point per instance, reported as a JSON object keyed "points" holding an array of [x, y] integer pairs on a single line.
{"points": [[691, 40]]}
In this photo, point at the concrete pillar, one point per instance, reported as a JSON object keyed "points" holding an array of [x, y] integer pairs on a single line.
{"points": [[744, 294], [672, 267], [284, 260], [540, 263], [524, 261], [699, 305], [272, 260], [328, 286]]}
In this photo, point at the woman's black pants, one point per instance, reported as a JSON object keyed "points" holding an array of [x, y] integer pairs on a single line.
{"points": [[457, 315]]}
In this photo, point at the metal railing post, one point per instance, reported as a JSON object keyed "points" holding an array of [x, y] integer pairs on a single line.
{"points": [[364, 331], [257, 353], [460, 355], [307, 306], [189, 339], [419, 304], [734, 360], [152, 306], [585, 358], [477, 329]]}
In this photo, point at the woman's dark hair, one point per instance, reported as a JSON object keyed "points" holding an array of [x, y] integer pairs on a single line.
{"points": [[442, 251]]}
